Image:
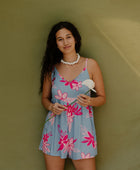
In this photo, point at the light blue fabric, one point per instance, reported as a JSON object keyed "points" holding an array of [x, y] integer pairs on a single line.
{"points": [[71, 134]]}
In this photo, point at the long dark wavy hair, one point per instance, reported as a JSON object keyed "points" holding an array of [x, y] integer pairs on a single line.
{"points": [[52, 54]]}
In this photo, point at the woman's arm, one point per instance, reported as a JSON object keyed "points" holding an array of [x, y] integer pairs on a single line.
{"points": [[85, 100], [99, 85], [46, 93]]}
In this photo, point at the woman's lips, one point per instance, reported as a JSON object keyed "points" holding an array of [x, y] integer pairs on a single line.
{"points": [[66, 47]]}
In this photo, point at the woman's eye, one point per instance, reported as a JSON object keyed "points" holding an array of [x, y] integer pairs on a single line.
{"points": [[68, 37], [59, 39]]}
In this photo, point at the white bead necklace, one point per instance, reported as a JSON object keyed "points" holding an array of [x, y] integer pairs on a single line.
{"points": [[71, 63]]}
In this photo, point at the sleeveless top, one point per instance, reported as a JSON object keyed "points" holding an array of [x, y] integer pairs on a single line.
{"points": [[71, 134]]}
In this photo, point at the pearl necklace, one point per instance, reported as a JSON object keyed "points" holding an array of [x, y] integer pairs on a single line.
{"points": [[72, 63]]}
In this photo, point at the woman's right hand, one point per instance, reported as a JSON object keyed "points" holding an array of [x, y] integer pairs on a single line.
{"points": [[58, 108]]}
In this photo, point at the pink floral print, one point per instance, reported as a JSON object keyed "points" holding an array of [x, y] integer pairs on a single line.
{"points": [[75, 109], [74, 84], [45, 138], [84, 68], [90, 113], [61, 96], [71, 112], [67, 83], [89, 137], [70, 146], [63, 143], [84, 156], [45, 142], [89, 140], [66, 144]]}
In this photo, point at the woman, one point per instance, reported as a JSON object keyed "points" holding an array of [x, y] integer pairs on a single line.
{"points": [[71, 132]]}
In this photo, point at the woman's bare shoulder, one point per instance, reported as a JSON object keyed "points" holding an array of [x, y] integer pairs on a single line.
{"points": [[92, 65], [92, 62]]}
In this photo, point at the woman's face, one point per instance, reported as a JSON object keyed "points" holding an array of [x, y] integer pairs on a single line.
{"points": [[65, 41]]}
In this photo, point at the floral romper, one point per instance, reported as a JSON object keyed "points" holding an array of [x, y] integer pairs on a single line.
{"points": [[72, 133]]}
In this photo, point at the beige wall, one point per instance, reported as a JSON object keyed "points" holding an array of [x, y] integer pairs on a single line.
{"points": [[110, 31]]}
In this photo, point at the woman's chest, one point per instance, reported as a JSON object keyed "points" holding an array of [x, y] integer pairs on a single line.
{"points": [[61, 86]]}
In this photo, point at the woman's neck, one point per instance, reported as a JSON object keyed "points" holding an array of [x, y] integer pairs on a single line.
{"points": [[70, 57]]}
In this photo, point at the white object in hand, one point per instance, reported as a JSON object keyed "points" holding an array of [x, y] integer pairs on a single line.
{"points": [[90, 84]]}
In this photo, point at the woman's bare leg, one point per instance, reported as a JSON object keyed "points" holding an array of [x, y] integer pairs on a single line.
{"points": [[85, 164], [54, 162]]}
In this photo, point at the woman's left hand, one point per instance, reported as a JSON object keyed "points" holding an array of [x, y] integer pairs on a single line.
{"points": [[83, 100]]}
